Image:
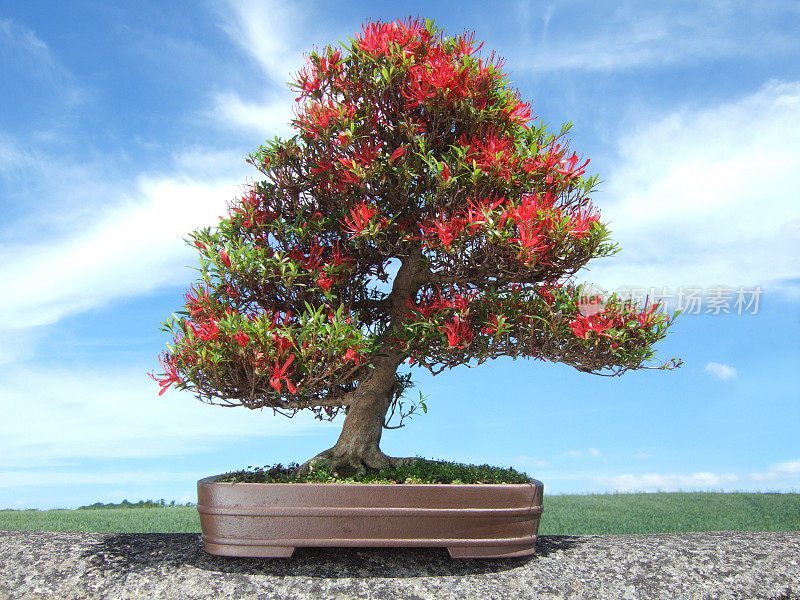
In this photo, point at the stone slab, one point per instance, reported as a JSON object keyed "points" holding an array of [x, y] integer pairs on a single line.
{"points": [[685, 566]]}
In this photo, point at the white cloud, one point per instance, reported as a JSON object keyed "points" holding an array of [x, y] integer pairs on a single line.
{"points": [[275, 35], [790, 467], [71, 414], [720, 371], [630, 36], [666, 482], [263, 120], [95, 235], [778, 471], [271, 32], [706, 196], [131, 249]]}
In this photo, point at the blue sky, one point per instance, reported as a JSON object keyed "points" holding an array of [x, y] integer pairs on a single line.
{"points": [[125, 126]]}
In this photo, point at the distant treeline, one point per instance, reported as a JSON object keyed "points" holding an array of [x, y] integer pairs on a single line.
{"points": [[140, 504]]}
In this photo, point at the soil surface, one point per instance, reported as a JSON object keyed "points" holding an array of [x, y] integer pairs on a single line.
{"points": [[64, 565]]}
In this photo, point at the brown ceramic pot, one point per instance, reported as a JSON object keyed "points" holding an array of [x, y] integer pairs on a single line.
{"points": [[272, 519]]}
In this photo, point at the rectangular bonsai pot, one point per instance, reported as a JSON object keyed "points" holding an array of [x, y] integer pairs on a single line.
{"points": [[272, 519]]}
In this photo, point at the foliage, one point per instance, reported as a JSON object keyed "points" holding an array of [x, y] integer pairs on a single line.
{"points": [[140, 504], [420, 471], [415, 166]]}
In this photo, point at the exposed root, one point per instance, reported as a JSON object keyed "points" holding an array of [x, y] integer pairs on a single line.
{"points": [[352, 465]]}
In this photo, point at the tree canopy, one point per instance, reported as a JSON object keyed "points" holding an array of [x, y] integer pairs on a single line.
{"points": [[421, 215]]}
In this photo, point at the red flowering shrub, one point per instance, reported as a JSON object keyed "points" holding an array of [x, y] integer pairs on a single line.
{"points": [[411, 150]]}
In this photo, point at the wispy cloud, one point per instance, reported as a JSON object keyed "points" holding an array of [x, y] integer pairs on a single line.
{"points": [[95, 234], [720, 371], [116, 414], [29, 57], [264, 119], [704, 197], [778, 470], [666, 481], [24, 42], [131, 249], [627, 35], [274, 35]]}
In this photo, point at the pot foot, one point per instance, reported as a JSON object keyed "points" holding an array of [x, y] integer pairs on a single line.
{"points": [[492, 551], [255, 551]]}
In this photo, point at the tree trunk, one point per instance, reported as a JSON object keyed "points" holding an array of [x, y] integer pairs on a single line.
{"points": [[363, 426], [358, 446]]}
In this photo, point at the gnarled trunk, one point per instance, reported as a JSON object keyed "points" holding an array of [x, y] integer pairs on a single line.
{"points": [[358, 446]]}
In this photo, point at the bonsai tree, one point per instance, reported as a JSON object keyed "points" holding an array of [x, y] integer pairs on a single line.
{"points": [[418, 215]]}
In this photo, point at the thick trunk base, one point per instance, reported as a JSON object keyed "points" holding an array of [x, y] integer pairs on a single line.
{"points": [[343, 463]]}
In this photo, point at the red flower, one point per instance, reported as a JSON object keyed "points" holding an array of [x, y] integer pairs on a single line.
{"points": [[520, 113], [208, 331], [569, 168], [495, 324], [170, 374], [582, 326], [379, 38], [445, 172], [324, 281], [196, 302], [281, 342], [397, 154], [492, 154], [314, 258], [478, 213], [223, 256], [279, 373], [445, 229], [645, 318], [458, 331], [582, 222], [242, 338], [351, 355], [544, 292], [316, 118], [361, 216], [337, 258], [323, 166], [367, 151]]}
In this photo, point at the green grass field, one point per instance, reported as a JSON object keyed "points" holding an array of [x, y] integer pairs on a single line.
{"points": [[563, 515]]}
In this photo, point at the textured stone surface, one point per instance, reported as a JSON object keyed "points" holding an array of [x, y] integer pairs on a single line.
{"points": [[687, 566]]}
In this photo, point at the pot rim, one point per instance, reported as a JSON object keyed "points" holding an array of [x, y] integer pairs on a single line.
{"points": [[531, 483]]}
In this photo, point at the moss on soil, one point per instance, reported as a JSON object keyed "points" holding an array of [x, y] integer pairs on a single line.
{"points": [[419, 471]]}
